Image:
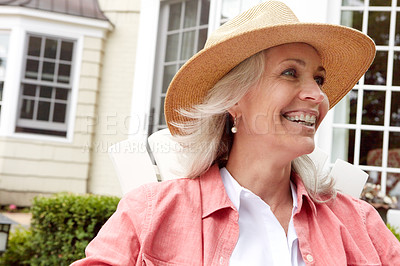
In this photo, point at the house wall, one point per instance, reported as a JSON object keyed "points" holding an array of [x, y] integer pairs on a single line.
{"points": [[115, 92], [30, 166]]}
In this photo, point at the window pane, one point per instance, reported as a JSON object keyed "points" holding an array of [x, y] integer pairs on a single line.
{"points": [[352, 19], [45, 92], [202, 39], [29, 90], [393, 185], [27, 109], [346, 109], [2, 67], [380, 2], [373, 108], [343, 144], [161, 120], [395, 109], [378, 27], [394, 150], [3, 45], [66, 50], [397, 35], [376, 74], [371, 147], [374, 177], [190, 14], [48, 71], [396, 69], [50, 50], [3, 54], [32, 69], [352, 2], [171, 53], [34, 46], [205, 11], [187, 45], [43, 111], [60, 111], [64, 72], [174, 16], [61, 94], [230, 8], [169, 72]]}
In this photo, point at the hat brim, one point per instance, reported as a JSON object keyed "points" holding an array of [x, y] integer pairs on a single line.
{"points": [[346, 55]]}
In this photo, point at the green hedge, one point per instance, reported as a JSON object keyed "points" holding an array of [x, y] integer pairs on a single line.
{"points": [[61, 228], [395, 231]]}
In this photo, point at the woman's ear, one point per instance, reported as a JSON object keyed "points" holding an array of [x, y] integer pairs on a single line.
{"points": [[234, 111]]}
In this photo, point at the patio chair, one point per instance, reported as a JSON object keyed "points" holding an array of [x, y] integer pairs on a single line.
{"points": [[134, 166]]}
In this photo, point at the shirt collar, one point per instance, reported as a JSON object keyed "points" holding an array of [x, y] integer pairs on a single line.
{"points": [[213, 195], [302, 193], [234, 189], [235, 192]]}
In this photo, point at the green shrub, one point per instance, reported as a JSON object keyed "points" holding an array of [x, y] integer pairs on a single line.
{"points": [[19, 250], [63, 225], [395, 231]]}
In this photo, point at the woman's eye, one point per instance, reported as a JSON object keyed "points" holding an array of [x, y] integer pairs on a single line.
{"points": [[289, 72], [320, 80]]}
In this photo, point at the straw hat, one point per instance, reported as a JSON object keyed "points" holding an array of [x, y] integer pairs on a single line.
{"points": [[346, 54]]}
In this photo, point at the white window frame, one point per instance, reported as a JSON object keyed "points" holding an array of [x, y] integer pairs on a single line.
{"points": [[361, 87], [46, 125], [20, 21], [2, 78]]}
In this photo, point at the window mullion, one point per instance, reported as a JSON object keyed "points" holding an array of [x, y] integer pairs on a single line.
{"points": [[36, 103], [214, 19], [197, 31], [365, 17], [358, 128]]}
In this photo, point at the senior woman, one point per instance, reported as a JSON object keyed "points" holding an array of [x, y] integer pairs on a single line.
{"points": [[246, 109]]}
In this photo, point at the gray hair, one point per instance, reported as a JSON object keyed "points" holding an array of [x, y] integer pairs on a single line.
{"points": [[207, 139]]}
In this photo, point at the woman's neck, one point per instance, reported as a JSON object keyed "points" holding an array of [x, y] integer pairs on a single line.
{"points": [[266, 175]]}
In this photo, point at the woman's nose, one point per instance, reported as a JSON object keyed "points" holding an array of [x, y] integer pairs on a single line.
{"points": [[311, 91]]}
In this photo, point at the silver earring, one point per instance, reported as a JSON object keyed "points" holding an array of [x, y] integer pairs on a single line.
{"points": [[234, 128]]}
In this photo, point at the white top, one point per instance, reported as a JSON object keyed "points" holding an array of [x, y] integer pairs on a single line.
{"points": [[262, 240]]}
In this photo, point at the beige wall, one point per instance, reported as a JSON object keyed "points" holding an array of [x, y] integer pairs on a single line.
{"points": [[114, 99], [30, 167]]}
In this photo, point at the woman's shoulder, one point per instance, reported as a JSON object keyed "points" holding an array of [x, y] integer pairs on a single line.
{"points": [[348, 208], [165, 190]]}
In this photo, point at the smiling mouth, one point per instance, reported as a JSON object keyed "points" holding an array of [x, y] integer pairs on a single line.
{"points": [[303, 119]]}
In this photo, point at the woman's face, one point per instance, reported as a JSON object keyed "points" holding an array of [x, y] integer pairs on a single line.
{"points": [[287, 105]]}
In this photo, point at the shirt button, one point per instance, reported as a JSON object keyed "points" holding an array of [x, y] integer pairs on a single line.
{"points": [[310, 258], [221, 260]]}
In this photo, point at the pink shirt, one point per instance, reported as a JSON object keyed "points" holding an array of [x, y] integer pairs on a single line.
{"points": [[193, 222]]}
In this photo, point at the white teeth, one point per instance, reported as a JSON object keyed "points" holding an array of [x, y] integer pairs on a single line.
{"points": [[307, 119]]}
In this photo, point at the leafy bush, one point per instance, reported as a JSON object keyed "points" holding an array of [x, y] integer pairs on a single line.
{"points": [[395, 231], [61, 228], [19, 250]]}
